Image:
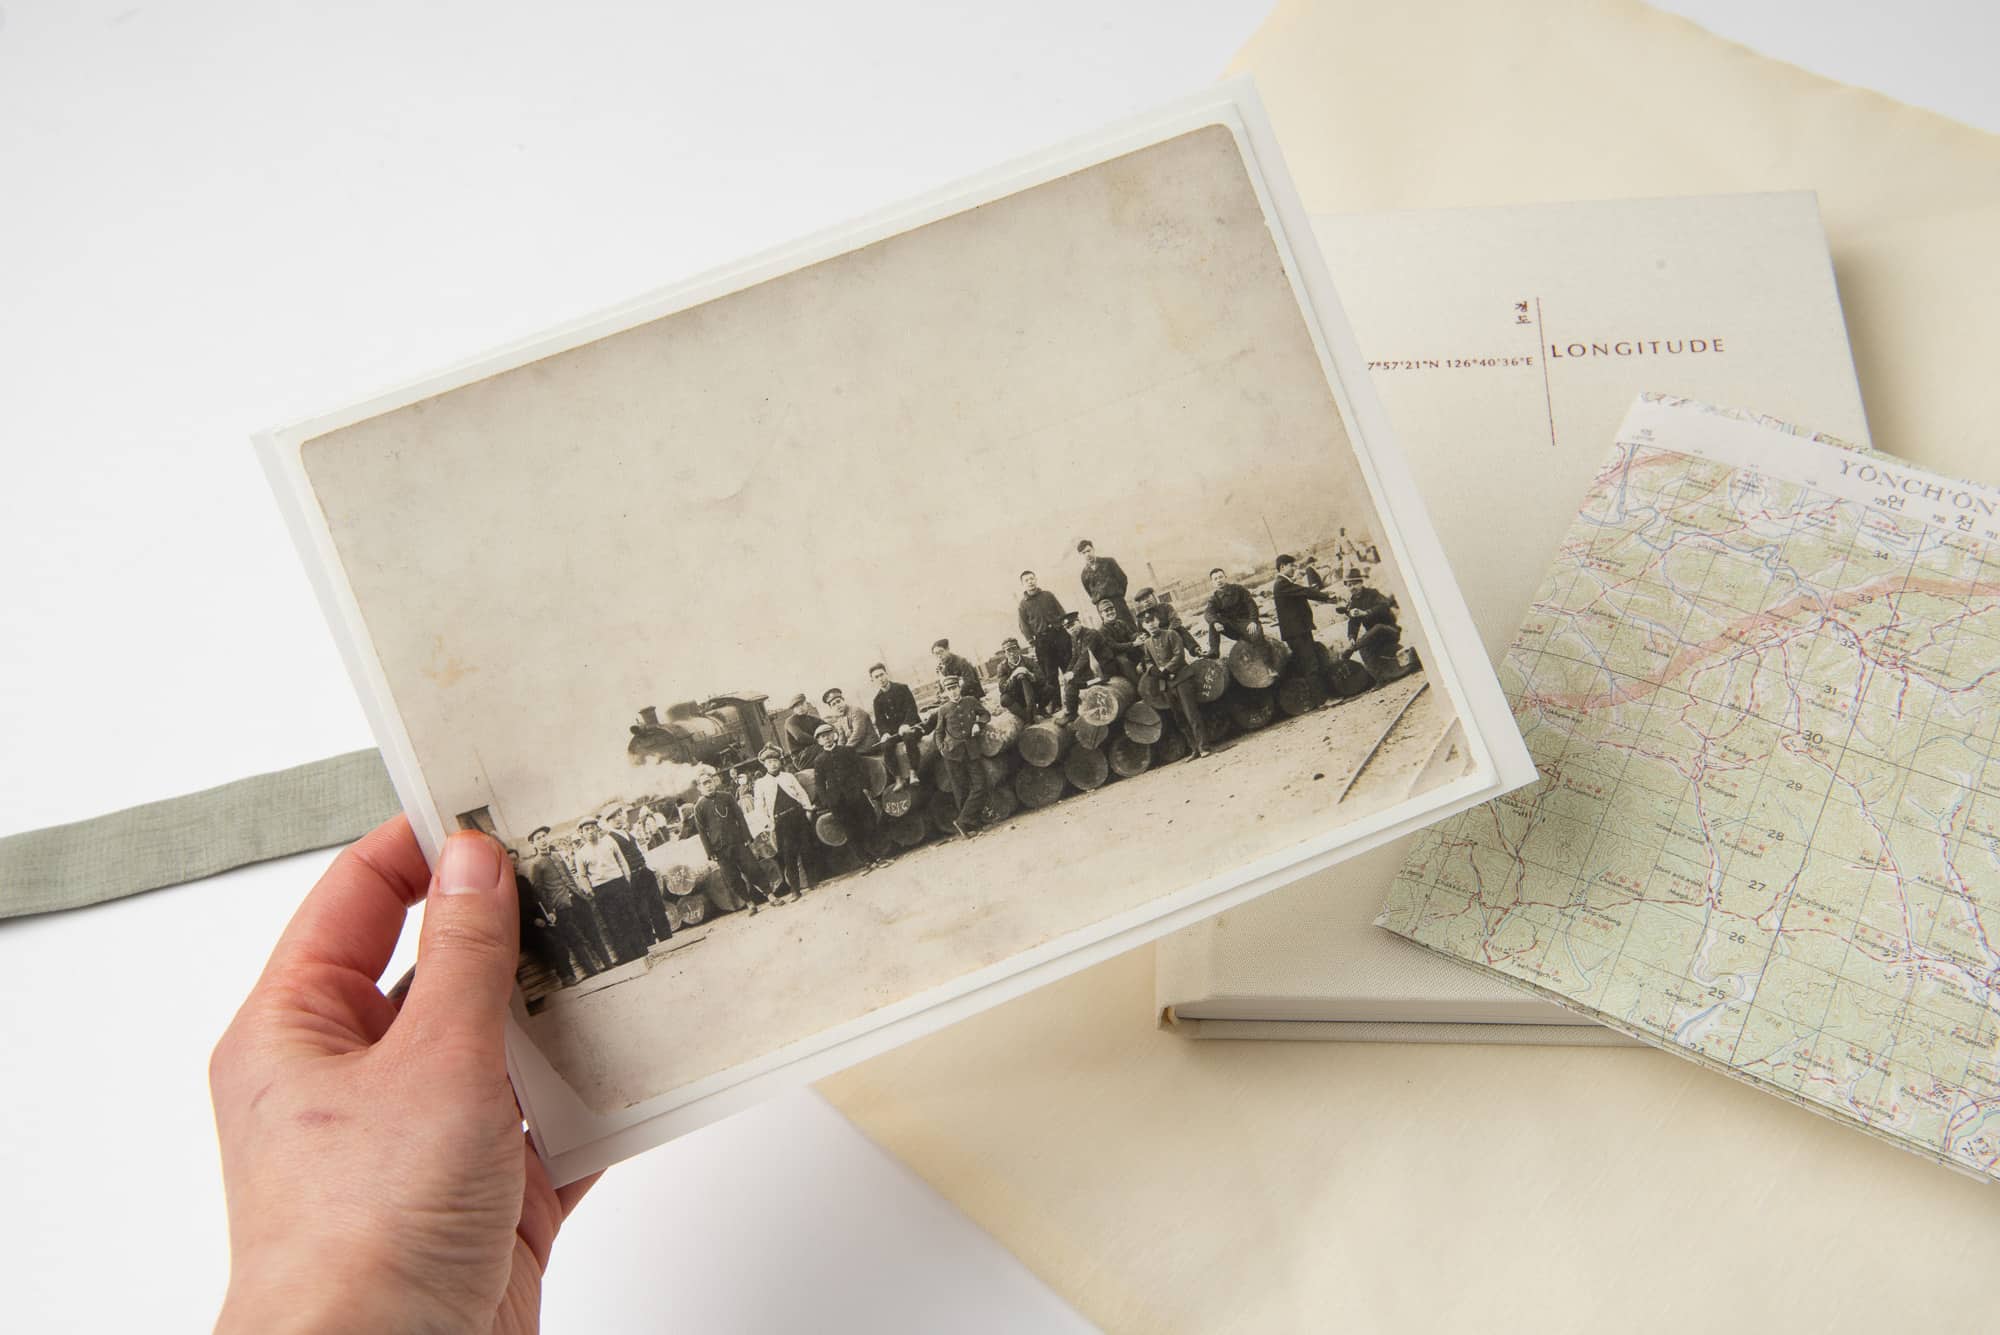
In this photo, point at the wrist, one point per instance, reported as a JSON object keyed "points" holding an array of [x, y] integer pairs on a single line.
{"points": [[331, 1288]]}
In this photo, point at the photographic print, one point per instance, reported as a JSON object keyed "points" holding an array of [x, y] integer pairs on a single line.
{"points": [[835, 643]]}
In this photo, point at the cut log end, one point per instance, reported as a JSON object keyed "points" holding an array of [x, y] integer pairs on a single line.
{"points": [[1298, 695], [1086, 768], [1037, 787], [829, 829], [1103, 704], [1129, 758], [1044, 743]]}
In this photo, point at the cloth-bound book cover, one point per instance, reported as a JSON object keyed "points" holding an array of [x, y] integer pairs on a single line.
{"points": [[1506, 344]]}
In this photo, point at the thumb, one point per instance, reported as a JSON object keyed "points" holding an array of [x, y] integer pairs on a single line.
{"points": [[469, 948]]}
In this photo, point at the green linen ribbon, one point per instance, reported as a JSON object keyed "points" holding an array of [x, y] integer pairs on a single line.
{"points": [[327, 802]]}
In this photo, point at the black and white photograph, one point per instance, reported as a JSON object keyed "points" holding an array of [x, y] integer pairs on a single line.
{"points": [[872, 627]]}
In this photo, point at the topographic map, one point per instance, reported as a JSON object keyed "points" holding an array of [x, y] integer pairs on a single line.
{"points": [[1762, 685]]}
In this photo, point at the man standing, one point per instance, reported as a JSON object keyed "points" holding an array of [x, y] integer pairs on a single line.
{"points": [[725, 837], [572, 937], [1041, 618], [1232, 611], [1166, 652], [646, 898], [852, 722], [1103, 578], [1020, 686], [950, 664], [783, 808], [603, 868], [957, 723], [841, 781], [1294, 595], [899, 721]]}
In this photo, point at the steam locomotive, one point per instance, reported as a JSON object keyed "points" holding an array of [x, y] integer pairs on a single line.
{"points": [[724, 731]]}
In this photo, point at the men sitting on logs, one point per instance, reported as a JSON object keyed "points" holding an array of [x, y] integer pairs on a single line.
{"points": [[900, 723], [1294, 594], [786, 810], [1041, 617], [725, 837], [1168, 652], [950, 664], [1103, 578], [1232, 611], [841, 781], [957, 724], [852, 722], [1021, 690]]}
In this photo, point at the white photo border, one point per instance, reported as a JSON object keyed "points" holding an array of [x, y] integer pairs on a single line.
{"points": [[573, 1139]]}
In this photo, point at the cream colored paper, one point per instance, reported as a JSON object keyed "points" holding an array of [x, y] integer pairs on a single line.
{"points": [[1507, 344], [1168, 1186]]}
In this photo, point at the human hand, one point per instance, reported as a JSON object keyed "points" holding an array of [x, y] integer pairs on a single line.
{"points": [[373, 1158]]}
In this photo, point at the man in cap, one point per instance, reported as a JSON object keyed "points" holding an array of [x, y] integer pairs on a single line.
{"points": [[1113, 644], [607, 876], [725, 837], [1375, 638], [647, 901], [1146, 598], [1294, 595], [1167, 653], [1366, 606], [1102, 578], [898, 720], [957, 724], [950, 664], [565, 927], [1041, 616], [852, 722], [783, 807], [841, 779], [801, 722], [1020, 685], [1232, 611]]}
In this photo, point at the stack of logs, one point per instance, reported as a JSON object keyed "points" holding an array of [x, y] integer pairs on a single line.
{"points": [[1119, 732]]}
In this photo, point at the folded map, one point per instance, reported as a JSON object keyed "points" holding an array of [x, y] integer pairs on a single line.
{"points": [[1762, 684]]}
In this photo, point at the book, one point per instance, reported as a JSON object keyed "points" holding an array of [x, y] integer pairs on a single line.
{"points": [[715, 610], [1506, 344]]}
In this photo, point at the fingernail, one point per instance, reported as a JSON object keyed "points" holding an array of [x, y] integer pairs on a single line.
{"points": [[471, 864]]}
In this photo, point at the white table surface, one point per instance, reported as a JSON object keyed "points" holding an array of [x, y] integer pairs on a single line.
{"points": [[221, 216]]}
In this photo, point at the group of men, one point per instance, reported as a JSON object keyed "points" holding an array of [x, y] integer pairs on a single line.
{"points": [[1068, 655], [596, 904], [1043, 672]]}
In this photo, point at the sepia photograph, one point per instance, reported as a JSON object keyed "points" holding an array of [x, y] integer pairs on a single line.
{"points": [[841, 639]]}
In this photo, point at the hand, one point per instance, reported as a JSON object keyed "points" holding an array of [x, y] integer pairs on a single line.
{"points": [[373, 1158]]}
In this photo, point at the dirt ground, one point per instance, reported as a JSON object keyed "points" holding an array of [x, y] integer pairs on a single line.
{"points": [[739, 986]]}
